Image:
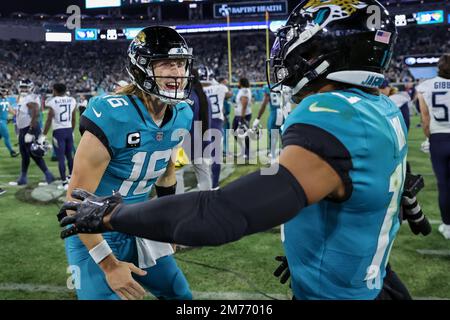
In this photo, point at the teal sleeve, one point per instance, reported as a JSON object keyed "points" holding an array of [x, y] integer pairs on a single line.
{"points": [[102, 120]]}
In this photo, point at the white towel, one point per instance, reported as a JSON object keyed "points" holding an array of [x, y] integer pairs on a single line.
{"points": [[149, 251], [279, 118]]}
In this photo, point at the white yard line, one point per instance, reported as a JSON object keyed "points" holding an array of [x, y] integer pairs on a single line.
{"points": [[197, 295], [436, 253]]}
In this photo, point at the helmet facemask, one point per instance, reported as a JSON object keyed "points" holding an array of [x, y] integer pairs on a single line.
{"points": [[4, 91], [142, 73], [25, 87]]}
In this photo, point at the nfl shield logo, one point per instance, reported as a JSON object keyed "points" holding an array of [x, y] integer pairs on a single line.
{"points": [[159, 136]]}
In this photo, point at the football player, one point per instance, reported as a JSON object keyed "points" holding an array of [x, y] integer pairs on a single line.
{"points": [[217, 93], [62, 118], [275, 120], [226, 115], [401, 99], [341, 171], [27, 120], [243, 114], [434, 99], [82, 104], [5, 109], [127, 144], [195, 147]]}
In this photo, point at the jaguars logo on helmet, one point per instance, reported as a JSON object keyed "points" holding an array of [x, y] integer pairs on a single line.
{"points": [[348, 7], [315, 44]]}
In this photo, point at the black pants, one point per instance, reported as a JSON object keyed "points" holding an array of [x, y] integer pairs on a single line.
{"points": [[26, 153], [393, 287], [440, 159]]}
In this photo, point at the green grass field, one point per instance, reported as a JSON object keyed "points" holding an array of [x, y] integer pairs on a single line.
{"points": [[33, 263]]}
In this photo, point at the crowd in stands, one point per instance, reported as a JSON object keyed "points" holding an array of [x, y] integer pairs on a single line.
{"points": [[96, 66]]}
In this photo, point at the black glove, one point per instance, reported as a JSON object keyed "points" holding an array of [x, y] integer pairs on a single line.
{"points": [[90, 212], [283, 267]]}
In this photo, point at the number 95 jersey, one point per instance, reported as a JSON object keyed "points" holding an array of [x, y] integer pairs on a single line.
{"points": [[140, 149]]}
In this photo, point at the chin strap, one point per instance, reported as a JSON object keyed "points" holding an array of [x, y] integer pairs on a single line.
{"points": [[313, 74]]}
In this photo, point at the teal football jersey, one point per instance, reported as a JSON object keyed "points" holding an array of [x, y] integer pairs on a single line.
{"points": [[275, 98], [340, 250], [4, 107], [140, 150]]}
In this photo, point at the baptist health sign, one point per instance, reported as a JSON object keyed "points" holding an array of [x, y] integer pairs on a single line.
{"points": [[246, 9]]}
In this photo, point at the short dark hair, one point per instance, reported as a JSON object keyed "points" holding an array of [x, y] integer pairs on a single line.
{"points": [[444, 66], [59, 88], [244, 82]]}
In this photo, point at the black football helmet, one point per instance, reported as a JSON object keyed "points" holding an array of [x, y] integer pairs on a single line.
{"points": [[159, 43], [205, 74], [4, 90], [39, 148], [348, 41], [25, 86]]}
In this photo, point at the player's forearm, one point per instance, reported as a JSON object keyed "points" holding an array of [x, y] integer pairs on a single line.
{"points": [[244, 110], [34, 118], [48, 123], [87, 173], [90, 241], [214, 217], [426, 123], [168, 179], [426, 129], [262, 110]]}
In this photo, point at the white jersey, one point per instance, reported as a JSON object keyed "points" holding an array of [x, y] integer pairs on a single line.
{"points": [[286, 104], [216, 94], [243, 92], [23, 118], [436, 93], [400, 99], [62, 108]]}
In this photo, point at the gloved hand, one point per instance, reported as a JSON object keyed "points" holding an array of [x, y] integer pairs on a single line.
{"points": [[255, 123], [90, 213], [29, 138], [41, 139], [242, 130], [283, 269]]}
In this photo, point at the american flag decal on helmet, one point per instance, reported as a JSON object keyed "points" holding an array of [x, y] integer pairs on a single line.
{"points": [[383, 36]]}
